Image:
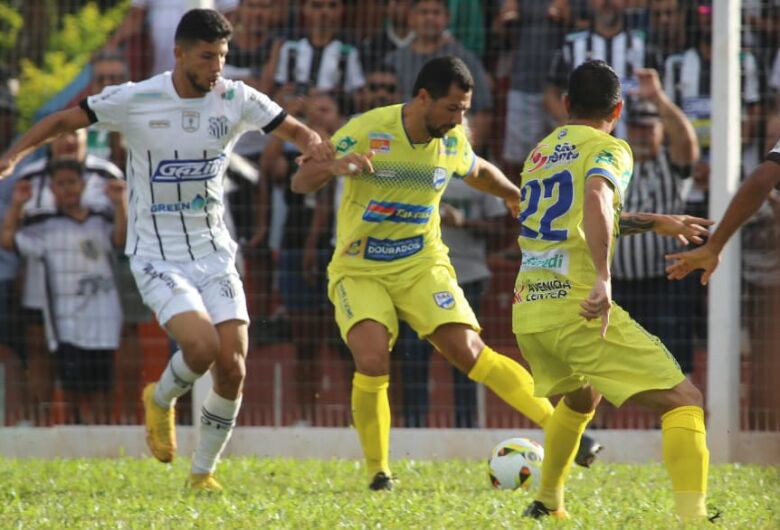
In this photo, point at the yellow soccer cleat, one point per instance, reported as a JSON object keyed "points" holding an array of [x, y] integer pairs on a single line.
{"points": [[160, 427], [204, 482]]}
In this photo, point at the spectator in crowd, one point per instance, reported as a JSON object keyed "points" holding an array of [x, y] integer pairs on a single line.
{"points": [[108, 68], [9, 263], [536, 30], [664, 145], [623, 48], [687, 83], [429, 20], [761, 298], [667, 26], [97, 173], [255, 43], [467, 24], [83, 315], [160, 18], [302, 283], [396, 33], [320, 59]]}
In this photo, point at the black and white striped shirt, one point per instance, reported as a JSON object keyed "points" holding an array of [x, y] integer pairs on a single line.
{"points": [[655, 187], [625, 52], [687, 83]]}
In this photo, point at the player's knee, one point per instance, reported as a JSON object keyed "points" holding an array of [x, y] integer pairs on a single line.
{"points": [[201, 349], [231, 372], [372, 363], [689, 395]]}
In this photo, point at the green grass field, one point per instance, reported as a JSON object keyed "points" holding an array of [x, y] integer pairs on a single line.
{"points": [[280, 493]]}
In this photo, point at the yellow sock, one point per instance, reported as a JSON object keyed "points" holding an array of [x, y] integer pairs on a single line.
{"points": [[512, 383], [371, 414], [687, 459], [561, 440]]}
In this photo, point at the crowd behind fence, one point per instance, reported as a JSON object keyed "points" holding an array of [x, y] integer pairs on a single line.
{"points": [[324, 61]]}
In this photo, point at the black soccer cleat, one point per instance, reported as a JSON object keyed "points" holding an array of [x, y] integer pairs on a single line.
{"points": [[586, 454], [537, 510], [716, 517], [381, 482]]}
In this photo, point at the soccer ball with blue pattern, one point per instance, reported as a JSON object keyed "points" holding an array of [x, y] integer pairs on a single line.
{"points": [[516, 463]]}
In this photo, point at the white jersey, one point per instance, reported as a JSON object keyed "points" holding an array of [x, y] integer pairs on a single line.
{"points": [[96, 174], [177, 153], [82, 304]]}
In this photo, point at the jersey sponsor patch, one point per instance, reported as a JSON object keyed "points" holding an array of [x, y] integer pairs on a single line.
{"points": [[535, 290], [397, 212], [188, 170], [379, 142], [444, 299], [345, 144], [552, 260], [449, 146], [392, 249], [196, 204]]}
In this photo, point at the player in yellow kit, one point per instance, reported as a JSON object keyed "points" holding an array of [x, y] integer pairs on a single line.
{"points": [[576, 340], [390, 262]]}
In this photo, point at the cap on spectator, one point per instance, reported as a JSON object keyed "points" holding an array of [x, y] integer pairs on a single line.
{"points": [[7, 101], [642, 112]]}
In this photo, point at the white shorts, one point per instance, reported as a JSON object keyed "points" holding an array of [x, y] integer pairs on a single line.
{"points": [[210, 285], [527, 122]]}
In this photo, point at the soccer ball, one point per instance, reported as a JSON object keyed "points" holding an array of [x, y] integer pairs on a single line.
{"points": [[516, 463]]}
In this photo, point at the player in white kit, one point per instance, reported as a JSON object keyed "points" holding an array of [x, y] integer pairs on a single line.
{"points": [[180, 128]]}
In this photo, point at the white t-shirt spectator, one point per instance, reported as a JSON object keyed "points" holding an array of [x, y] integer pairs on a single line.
{"points": [[81, 300]]}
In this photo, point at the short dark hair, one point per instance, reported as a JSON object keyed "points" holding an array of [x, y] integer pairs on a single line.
{"points": [[202, 24], [438, 75], [594, 90], [65, 163]]}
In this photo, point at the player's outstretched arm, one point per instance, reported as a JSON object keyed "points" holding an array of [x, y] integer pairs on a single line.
{"points": [[21, 194], [749, 198], [308, 142], [312, 175], [40, 133], [685, 228], [488, 178], [597, 222]]}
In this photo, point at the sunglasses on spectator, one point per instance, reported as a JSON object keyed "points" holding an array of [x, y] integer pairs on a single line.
{"points": [[389, 87]]}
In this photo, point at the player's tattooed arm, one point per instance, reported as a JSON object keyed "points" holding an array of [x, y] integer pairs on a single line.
{"points": [[635, 223], [685, 228]]}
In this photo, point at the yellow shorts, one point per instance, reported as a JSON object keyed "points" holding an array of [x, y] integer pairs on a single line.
{"points": [[425, 299], [627, 361]]}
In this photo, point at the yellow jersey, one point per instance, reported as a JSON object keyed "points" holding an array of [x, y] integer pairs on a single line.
{"points": [[557, 271], [389, 221]]}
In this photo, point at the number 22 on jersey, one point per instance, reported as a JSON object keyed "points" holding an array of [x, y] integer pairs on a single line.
{"points": [[540, 193]]}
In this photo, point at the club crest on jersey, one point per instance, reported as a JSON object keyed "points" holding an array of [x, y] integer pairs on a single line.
{"points": [[439, 178], [218, 126], [188, 170], [190, 121], [444, 299]]}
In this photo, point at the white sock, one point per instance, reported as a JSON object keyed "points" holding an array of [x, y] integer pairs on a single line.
{"points": [[176, 380], [217, 418]]}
